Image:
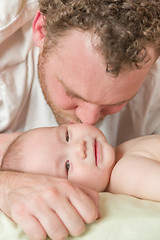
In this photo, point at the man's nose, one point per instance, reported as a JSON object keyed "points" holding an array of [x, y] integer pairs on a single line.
{"points": [[81, 149], [88, 113]]}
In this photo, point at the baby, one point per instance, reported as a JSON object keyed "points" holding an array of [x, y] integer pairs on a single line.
{"points": [[81, 154]]}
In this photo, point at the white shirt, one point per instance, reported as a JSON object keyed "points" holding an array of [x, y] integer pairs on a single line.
{"points": [[22, 105]]}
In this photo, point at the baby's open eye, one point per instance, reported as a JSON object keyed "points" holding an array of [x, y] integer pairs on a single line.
{"points": [[67, 165], [67, 136]]}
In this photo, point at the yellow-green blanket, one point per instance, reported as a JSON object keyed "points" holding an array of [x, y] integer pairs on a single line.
{"points": [[122, 218]]}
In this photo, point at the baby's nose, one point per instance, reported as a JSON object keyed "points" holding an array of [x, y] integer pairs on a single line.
{"points": [[81, 149]]}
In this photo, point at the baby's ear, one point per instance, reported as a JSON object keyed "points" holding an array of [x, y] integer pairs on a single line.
{"points": [[38, 30]]}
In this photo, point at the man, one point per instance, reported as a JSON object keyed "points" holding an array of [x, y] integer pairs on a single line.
{"points": [[93, 58]]}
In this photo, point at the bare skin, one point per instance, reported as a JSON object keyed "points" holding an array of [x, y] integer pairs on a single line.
{"points": [[137, 171]]}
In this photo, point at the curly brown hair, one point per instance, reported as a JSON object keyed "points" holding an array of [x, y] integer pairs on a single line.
{"points": [[125, 27]]}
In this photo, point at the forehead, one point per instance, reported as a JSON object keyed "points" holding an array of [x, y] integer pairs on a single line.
{"points": [[43, 134], [81, 68]]}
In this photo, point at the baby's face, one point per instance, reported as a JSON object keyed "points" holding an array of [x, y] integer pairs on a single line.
{"points": [[78, 152]]}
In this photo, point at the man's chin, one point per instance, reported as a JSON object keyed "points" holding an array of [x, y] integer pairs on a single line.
{"points": [[66, 120]]}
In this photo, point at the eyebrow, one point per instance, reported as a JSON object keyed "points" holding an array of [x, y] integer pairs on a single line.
{"points": [[75, 95]]}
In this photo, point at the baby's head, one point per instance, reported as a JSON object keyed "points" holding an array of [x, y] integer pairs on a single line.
{"points": [[78, 152]]}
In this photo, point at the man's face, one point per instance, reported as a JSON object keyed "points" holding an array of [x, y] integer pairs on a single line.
{"points": [[78, 152], [76, 85]]}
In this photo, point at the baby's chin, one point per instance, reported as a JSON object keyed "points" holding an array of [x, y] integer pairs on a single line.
{"points": [[101, 188], [108, 153]]}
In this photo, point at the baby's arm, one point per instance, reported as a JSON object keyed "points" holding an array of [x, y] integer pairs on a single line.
{"points": [[137, 171]]}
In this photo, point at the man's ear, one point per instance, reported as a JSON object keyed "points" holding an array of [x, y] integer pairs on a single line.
{"points": [[38, 30]]}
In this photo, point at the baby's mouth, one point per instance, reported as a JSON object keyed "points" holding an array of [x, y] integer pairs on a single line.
{"points": [[95, 148], [97, 152]]}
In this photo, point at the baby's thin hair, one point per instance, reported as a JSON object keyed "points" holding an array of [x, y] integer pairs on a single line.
{"points": [[12, 155]]}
